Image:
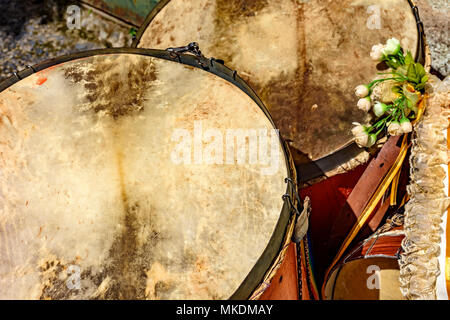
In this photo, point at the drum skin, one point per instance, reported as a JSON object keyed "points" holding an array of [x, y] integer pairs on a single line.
{"points": [[303, 58], [370, 271], [351, 283], [89, 188]]}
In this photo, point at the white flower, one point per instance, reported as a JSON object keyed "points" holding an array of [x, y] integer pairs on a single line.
{"points": [[358, 129], [362, 139], [377, 52], [365, 140], [360, 133], [364, 104], [379, 109], [406, 125], [362, 91], [392, 47], [395, 129]]}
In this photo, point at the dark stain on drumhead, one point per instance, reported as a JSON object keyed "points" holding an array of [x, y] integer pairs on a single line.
{"points": [[125, 270], [227, 12], [110, 90], [54, 287], [316, 133], [231, 10], [129, 259], [163, 290], [56, 278], [314, 117]]}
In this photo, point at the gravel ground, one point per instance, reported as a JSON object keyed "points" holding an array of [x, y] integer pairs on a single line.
{"points": [[35, 30], [435, 15]]}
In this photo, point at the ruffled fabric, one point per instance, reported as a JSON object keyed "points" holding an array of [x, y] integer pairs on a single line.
{"points": [[419, 265]]}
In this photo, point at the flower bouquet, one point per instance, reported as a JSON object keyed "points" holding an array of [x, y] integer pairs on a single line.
{"points": [[393, 97]]}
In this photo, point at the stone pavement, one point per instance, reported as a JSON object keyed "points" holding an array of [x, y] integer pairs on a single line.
{"points": [[32, 31], [435, 15]]}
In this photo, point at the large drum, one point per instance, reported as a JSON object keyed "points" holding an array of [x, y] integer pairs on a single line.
{"points": [[139, 174], [371, 270], [303, 58]]}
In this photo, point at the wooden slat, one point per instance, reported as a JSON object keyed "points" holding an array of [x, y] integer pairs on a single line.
{"points": [[361, 194], [376, 219]]}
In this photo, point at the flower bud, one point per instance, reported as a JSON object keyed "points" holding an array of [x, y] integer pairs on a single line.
{"points": [[392, 47], [372, 140], [379, 109], [395, 129], [362, 139], [362, 91], [365, 140], [364, 104], [358, 129], [377, 52], [406, 125]]}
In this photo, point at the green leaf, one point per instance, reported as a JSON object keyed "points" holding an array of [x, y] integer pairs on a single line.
{"points": [[403, 70], [411, 74], [396, 89], [132, 31], [392, 62], [408, 58], [424, 79], [420, 71], [420, 86]]}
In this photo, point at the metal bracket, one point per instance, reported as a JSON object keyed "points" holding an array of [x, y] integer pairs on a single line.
{"points": [[294, 189], [287, 198], [192, 48], [30, 67]]}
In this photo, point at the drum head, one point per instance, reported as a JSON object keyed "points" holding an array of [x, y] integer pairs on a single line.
{"points": [[366, 279], [303, 58], [104, 191]]}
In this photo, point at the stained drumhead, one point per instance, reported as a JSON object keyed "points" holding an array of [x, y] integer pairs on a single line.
{"points": [[303, 58], [104, 193], [366, 279]]}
